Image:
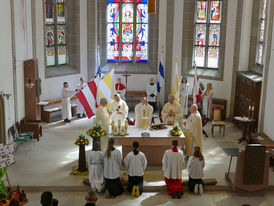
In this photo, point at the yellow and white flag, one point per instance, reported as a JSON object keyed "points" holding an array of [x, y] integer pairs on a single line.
{"points": [[175, 83], [106, 86]]}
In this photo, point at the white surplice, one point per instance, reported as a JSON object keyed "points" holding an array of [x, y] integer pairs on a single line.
{"points": [[135, 164], [80, 108], [112, 165], [177, 109], [66, 105], [151, 89], [120, 106], [184, 97], [195, 168], [207, 104], [173, 164], [194, 124], [140, 109], [95, 167]]}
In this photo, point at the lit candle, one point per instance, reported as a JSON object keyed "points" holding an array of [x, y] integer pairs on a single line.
{"points": [[249, 108], [253, 108]]}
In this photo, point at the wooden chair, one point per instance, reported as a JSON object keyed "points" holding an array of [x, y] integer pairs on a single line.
{"points": [[216, 120], [252, 170], [32, 125], [17, 139], [21, 133]]}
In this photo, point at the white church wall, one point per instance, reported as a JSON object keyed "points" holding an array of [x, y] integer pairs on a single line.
{"points": [[51, 87], [268, 128], [6, 77]]}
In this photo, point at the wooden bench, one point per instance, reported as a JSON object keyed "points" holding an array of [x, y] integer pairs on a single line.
{"points": [[265, 141], [45, 112], [215, 102], [133, 97]]}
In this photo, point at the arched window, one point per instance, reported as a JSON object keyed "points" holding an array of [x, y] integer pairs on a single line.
{"points": [[127, 31], [260, 41], [55, 32], [207, 30]]}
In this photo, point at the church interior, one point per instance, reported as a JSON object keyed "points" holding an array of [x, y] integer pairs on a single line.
{"points": [[221, 47]]}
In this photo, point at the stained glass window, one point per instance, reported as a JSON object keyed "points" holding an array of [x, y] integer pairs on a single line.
{"points": [[55, 32], [131, 27], [208, 18], [260, 44]]}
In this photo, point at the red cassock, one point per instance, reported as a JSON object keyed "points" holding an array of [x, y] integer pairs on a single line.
{"points": [[173, 185], [119, 86]]}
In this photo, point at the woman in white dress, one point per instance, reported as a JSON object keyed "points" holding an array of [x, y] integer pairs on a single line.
{"points": [[207, 101], [184, 86]]}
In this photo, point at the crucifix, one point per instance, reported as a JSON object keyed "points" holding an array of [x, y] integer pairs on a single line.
{"points": [[126, 75]]}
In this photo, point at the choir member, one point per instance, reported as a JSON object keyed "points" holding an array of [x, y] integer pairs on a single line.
{"points": [[173, 163], [184, 86], [207, 101], [135, 163]]}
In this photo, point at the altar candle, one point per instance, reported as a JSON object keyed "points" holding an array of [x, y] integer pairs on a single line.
{"points": [[249, 108], [253, 108], [119, 123]]}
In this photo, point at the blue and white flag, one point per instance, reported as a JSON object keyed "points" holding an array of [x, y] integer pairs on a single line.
{"points": [[99, 72], [161, 76]]}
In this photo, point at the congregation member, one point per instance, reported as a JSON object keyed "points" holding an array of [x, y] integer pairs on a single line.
{"points": [[120, 88], [184, 87], [112, 163], [207, 101], [151, 91], [118, 109], [195, 167], [95, 167], [80, 109], [143, 110], [135, 163], [103, 118], [172, 112], [48, 200], [91, 198], [66, 105], [173, 163], [194, 130]]}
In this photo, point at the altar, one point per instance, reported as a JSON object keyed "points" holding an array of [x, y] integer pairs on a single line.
{"points": [[153, 146]]}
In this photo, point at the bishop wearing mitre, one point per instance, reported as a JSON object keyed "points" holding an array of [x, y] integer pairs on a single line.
{"points": [[143, 111], [172, 112], [118, 109], [103, 117]]}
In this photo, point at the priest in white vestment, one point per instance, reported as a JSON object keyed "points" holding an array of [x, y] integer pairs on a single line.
{"points": [[172, 112], [173, 164], [95, 166], [66, 105], [103, 118], [136, 163], [143, 111], [118, 109], [112, 163], [195, 128], [151, 91], [80, 108]]}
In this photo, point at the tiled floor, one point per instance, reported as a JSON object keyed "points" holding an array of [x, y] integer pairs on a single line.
{"points": [[51, 159]]}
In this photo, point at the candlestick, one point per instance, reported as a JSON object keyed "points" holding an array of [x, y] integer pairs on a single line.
{"points": [[126, 127], [249, 108], [253, 108]]}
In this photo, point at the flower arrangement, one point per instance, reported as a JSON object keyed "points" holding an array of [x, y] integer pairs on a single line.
{"points": [[96, 131], [81, 141], [175, 131]]}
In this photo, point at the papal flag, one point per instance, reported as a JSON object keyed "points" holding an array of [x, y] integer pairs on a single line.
{"points": [[106, 86], [175, 83]]}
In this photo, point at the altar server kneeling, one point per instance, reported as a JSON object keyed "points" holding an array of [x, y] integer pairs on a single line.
{"points": [[136, 163], [173, 163], [112, 163], [95, 167]]}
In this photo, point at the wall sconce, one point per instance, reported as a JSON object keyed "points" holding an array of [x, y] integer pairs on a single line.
{"points": [[7, 96], [29, 84]]}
